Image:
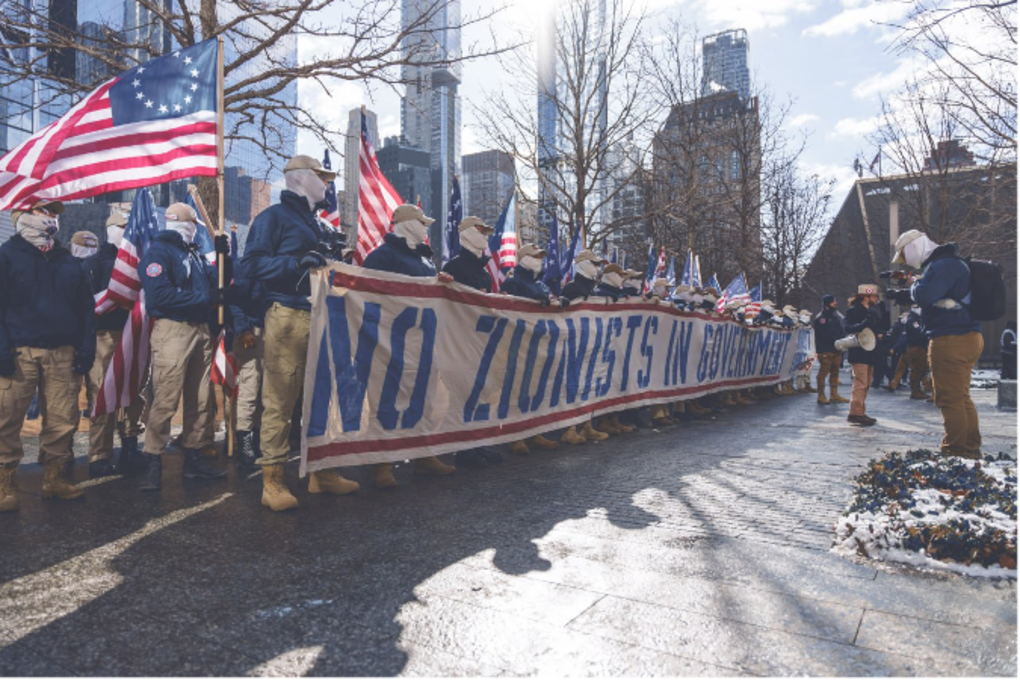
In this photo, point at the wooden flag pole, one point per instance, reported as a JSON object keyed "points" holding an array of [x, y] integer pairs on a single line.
{"points": [[193, 191], [220, 265]]}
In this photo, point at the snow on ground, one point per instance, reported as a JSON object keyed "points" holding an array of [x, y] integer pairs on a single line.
{"points": [[984, 378], [922, 509]]}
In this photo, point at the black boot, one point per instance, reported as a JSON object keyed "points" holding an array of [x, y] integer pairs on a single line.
{"points": [[195, 466], [153, 473], [471, 458], [492, 456], [131, 460], [101, 468], [246, 455]]}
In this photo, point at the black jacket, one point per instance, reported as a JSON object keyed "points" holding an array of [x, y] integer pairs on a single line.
{"points": [[858, 317], [611, 292], [828, 325], [525, 284], [246, 302], [178, 282], [393, 255], [467, 268], [44, 299], [98, 269], [579, 287]]}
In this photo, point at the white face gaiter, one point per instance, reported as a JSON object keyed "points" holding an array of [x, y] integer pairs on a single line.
{"points": [[587, 269], [613, 279], [307, 183], [659, 291], [39, 230], [114, 235], [185, 229], [474, 241], [918, 250], [412, 231], [532, 264], [81, 252], [697, 299]]}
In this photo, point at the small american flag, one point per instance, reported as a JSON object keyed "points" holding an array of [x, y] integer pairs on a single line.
{"points": [[224, 367], [377, 199], [753, 307], [495, 265], [332, 212], [508, 242], [737, 290], [151, 124], [126, 373]]}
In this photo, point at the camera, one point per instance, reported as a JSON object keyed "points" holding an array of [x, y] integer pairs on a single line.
{"points": [[900, 296], [332, 244]]}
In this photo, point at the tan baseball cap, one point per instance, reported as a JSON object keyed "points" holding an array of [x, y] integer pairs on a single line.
{"points": [[530, 249], [477, 222], [181, 212], [905, 239], [302, 162], [50, 206], [85, 239], [408, 212], [660, 282], [117, 219], [588, 256], [633, 274], [867, 289], [613, 269]]}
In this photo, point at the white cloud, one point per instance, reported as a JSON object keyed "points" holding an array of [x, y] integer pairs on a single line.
{"points": [[881, 84], [753, 14], [854, 127], [856, 15], [802, 120]]}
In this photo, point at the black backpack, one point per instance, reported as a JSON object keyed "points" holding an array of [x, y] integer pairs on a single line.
{"points": [[987, 290]]}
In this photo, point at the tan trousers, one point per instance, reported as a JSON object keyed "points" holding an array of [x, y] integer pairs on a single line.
{"points": [[286, 348], [916, 359], [863, 374], [828, 367], [181, 367], [249, 383], [952, 359], [101, 429], [49, 371]]}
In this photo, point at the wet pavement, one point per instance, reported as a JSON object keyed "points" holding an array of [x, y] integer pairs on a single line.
{"points": [[700, 549]]}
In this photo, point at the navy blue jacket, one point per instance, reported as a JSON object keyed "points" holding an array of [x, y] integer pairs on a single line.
{"points": [[279, 237], [246, 302], [611, 292], [524, 283], [467, 268], [913, 334], [579, 287], [98, 269], [177, 280], [828, 325], [945, 276], [858, 317], [44, 299], [393, 255]]}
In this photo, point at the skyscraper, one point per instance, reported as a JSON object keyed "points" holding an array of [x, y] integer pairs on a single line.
{"points": [[352, 175], [486, 181], [548, 119], [724, 63]]}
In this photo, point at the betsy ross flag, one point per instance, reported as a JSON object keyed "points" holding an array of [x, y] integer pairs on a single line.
{"points": [[553, 273], [126, 373], [753, 307], [377, 199], [712, 282], [149, 125], [737, 290], [331, 213], [568, 258], [691, 276], [492, 250], [671, 272], [451, 241]]}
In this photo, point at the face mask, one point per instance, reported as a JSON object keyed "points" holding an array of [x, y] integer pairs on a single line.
{"points": [[185, 229], [587, 269], [114, 235], [81, 252], [632, 285], [532, 264], [918, 250], [474, 241], [307, 183], [412, 231], [659, 291], [613, 279], [39, 230], [697, 298]]}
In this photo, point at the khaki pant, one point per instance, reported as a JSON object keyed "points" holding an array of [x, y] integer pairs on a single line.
{"points": [[828, 367], [863, 373], [102, 427], [181, 367], [916, 359], [286, 348], [952, 359], [249, 383], [49, 371]]}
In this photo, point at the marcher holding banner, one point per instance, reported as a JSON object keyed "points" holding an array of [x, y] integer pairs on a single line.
{"points": [[586, 278]]}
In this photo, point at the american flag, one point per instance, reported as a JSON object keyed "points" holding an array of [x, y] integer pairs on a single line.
{"points": [[553, 273], [151, 124], [332, 212], [712, 282], [377, 199], [671, 272], [508, 243], [737, 290], [659, 267], [224, 367], [690, 275], [753, 307], [451, 242], [495, 265], [568, 257], [127, 370]]}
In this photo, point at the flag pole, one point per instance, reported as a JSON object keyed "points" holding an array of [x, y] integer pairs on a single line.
{"points": [[220, 265], [193, 190]]}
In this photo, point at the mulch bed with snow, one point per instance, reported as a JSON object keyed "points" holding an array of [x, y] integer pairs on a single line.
{"points": [[928, 511]]}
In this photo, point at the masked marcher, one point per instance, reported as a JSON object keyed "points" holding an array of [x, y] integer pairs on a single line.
{"points": [[181, 292], [246, 311], [526, 282], [611, 284], [404, 251], [955, 341], [861, 315], [828, 326], [47, 338], [912, 345], [109, 329], [467, 267], [280, 251]]}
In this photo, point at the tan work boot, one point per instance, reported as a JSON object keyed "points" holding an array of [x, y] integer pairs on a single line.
{"points": [[591, 434], [808, 387], [383, 476], [433, 466], [520, 448], [822, 399], [54, 485], [622, 428], [541, 442], [275, 494], [605, 424], [570, 436], [919, 394], [836, 399], [9, 487], [329, 481]]}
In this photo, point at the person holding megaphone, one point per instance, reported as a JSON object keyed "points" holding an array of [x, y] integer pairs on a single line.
{"points": [[861, 316]]}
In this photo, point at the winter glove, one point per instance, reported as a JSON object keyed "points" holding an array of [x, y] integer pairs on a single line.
{"points": [[217, 297], [545, 302], [221, 243], [82, 363], [311, 260], [7, 365], [564, 302], [246, 340]]}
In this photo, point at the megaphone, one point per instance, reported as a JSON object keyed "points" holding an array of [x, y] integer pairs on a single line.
{"points": [[865, 340]]}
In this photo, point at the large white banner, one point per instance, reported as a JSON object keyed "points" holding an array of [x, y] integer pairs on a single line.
{"points": [[402, 367]]}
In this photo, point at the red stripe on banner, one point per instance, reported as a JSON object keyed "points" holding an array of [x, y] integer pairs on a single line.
{"points": [[550, 420]]}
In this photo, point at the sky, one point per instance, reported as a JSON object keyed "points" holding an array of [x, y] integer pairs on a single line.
{"points": [[830, 58]]}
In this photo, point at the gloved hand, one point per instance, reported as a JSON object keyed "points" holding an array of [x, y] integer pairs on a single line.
{"points": [[545, 302], [311, 260], [82, 363], [7, 365], [221, 243], [217, 296], [246, 340], [564, 302]]}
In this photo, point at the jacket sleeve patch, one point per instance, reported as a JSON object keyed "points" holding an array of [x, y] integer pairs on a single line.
{"points": [[154, 269]]}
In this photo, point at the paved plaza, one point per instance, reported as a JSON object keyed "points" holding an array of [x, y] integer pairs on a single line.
{"points": [[700, 549]]}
